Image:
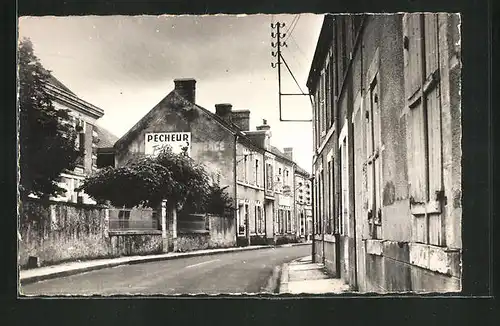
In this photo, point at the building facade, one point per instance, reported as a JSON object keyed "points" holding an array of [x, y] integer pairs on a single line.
{"points": [[84, 115], [303, 206], [387, 133], [239, 160]]}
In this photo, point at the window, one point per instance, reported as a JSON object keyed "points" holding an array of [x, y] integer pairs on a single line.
{"points": [[245, 169], [322, 202], [315, 206], [270, 180], [247, 212], [288, 222], [79, 125], [259, 220], [331, 88], [373, 145], [241, 219], [281, 222], [257, 175], [317, 117], [341, 50], [331, 198], [343, 220], [322, 99], [424, 134]]}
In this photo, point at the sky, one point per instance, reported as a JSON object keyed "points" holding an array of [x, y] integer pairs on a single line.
{"points": [[126, 65]]}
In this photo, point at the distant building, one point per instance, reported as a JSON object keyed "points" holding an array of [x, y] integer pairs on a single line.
{"points": [[238, 159], [85, 115], [387, 153], [303, 203]]}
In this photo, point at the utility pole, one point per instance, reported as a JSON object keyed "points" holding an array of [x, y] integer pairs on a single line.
{"points": [[277, 54], [278, 35]]}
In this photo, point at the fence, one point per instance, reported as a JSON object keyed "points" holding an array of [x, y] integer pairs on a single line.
{"points": [[133, 219]]}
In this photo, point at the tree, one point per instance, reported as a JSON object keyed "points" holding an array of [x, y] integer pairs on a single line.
{"points": [[147, 180], [46, 138]]}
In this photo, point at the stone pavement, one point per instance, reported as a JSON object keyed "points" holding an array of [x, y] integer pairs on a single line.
{"points": [[304, 276], [77, 267]]}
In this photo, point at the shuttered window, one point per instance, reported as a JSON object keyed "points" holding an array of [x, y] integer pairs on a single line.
{"points": [[423, 114], [373, 166]]}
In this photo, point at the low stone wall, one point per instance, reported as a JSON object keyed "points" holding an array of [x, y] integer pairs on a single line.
{"points": [[193, 241], [131, 242], [220, 234], [393, 266], [57, 232], [54, 232]]}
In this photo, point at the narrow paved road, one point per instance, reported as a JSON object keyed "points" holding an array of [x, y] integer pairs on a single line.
{"points": [[239, 272]]}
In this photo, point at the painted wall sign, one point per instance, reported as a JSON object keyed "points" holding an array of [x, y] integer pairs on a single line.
{"points": [[155, 142]]}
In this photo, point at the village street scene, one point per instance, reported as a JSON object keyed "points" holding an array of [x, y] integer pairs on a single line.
{"points": [[239, 155]]}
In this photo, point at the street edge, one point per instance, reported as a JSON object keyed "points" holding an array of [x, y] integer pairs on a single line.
{"points": [[283, 285], [273, 283], [145, 259]]}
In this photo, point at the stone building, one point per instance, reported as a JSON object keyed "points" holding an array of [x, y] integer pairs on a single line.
{"points": [[239, 160], [387, 133], [303, 206], [85, 115]]}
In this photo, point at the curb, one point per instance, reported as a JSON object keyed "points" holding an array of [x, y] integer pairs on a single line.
{"points": [[273, 283], [140, 260], [283, 286]]}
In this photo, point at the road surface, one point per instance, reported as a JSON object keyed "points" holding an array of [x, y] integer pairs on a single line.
{"points": [[238, 272]]}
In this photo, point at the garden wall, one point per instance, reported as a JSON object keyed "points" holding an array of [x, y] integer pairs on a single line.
{"points": [[216, 232], [56, 232]]}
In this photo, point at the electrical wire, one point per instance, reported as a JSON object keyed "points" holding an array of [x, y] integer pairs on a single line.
{"points": [[298, 47], [292, 29], [291, 24], [293, 76]]}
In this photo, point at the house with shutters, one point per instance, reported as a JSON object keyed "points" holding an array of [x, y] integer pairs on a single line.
{"points": [[85, 115], [387, 151], [240, 160]]}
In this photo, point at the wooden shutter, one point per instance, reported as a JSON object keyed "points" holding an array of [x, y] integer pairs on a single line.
{"points": [[412, 25], [424, 126], [417, 161]]}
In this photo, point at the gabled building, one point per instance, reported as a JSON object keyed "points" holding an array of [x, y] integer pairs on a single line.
{"points": [[240, 160], [85, 115], [387, 133]]}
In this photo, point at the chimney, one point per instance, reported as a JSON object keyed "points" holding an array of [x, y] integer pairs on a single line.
{"points": [[288, 152], [264, 125], [223, 110], [241, 118], [186, 87]]}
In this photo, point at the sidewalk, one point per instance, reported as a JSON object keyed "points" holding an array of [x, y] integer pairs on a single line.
{"points": [[304, 276], [72, 268]]}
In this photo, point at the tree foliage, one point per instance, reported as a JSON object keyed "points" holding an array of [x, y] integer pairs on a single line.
{"points": [[146, 181], [46, 138]]}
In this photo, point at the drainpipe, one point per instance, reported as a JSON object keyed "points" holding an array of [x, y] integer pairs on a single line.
{"points": [[313, 250], [236, 226]]}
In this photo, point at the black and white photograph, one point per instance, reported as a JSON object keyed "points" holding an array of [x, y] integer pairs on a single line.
{"points": [[241, 155]]}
